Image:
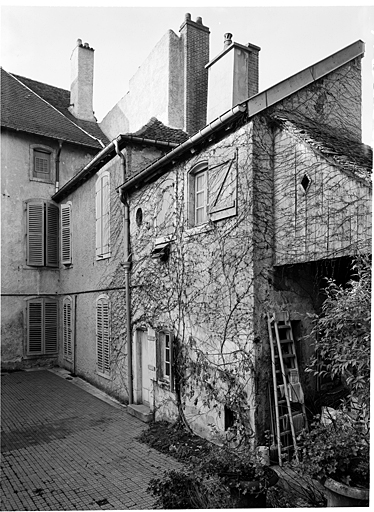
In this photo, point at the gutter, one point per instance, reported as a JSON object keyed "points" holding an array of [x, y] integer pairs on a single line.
{"points": [[150, 171], [103, 157]]}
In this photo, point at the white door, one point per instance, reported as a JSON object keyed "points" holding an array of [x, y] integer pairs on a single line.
{"points": [[146, 382]]}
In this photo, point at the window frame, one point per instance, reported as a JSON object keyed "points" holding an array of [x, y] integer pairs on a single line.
{"points": [[45, 316], [166, 357], [50, 175], [102, 209], [198, 170]]}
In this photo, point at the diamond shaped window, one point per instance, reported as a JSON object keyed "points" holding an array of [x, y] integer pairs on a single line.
{"points": [[306, 182]]}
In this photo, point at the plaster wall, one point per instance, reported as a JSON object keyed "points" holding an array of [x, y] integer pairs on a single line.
{"points": [[221, 86], [19, 280], [330, 218], [156, 90]]}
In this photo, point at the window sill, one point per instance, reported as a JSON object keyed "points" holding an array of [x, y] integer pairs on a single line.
{"points": [[103, 257], [197, 230], [104, 375]]}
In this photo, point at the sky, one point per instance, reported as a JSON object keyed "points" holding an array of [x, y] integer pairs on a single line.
{"points": [[37, 39]]}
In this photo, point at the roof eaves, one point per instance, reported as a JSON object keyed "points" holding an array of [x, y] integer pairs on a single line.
{"points": [[102, 158]]}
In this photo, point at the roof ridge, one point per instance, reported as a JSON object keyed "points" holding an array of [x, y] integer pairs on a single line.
{"points": [[53, 107]]}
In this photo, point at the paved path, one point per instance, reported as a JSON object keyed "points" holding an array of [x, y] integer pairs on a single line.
{"points": [[65, 449]]}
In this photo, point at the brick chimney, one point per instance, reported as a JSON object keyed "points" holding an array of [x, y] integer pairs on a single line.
{"points": [[195, 40], [81, 89], [233, 77]]}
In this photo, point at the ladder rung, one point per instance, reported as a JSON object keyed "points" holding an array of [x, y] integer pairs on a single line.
{"points": [[285, 432], [284, 327]]}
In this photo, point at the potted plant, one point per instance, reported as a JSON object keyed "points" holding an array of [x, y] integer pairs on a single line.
{"points": [[337, 454], [224, 478]]}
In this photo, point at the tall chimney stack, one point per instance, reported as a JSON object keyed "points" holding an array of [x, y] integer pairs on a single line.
{"points": [[195, 41], [233, 77], [81, 89]]}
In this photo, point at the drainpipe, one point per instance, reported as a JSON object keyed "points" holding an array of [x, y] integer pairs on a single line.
{"points": [[58, 165], [126, 265]]}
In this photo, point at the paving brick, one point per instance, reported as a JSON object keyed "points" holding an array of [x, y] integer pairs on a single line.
{"points": [[65, 449]]}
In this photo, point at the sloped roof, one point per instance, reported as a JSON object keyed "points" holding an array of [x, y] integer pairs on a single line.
{"points": [[35, 107], [154, 133], [348, 154], [156, 130]]}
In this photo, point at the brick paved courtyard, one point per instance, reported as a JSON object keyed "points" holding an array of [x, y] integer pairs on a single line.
{"points": [[65, 449]]}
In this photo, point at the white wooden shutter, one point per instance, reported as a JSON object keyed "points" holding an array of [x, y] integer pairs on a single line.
{"points": [[152, 353], [35, 326], [52, 235], [50, 326], [68, 328], [222, 185], [35, 233], [105, 214], [66, 238], [102, 193], [103, 335]]}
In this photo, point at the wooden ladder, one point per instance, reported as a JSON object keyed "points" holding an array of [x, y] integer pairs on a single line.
{"points": [[290, 414]]}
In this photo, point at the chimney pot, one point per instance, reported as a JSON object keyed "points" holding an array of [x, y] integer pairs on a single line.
{"points": [[86, 45], [228, 40], [199, 19], [187, 16], [79, 42]]}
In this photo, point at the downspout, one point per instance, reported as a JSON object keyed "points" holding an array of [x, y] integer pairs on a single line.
{"points": [[127, 266], [58, 165]]}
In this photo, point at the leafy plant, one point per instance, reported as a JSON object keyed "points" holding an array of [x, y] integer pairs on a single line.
{"points": [[212, 481], [339, 450], [343, 333]]}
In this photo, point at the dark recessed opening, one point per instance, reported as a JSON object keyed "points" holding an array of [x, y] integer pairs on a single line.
{"points": [[305, 182], [139, 217]]}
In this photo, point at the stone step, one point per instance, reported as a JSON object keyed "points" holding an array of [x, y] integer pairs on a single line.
{"points": [[140, 411]]}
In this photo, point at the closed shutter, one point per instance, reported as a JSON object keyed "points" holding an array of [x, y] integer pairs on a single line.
{"points": [[102, 193], [35, 327], [42, 166], [35, 233], [152, 353], [68, 328], [52, 232], [103, 335], [222, 186], [66, 238], [50, 326], [42, 326]]}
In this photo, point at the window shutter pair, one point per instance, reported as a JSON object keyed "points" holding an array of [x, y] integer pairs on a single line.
{"points": [[103, 335], [42, 234], [42, 165], [222, 186], [102, 192], [42, 326]]}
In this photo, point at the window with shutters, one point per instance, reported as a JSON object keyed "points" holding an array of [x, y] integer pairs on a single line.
{"points": [[42, 233], [42, 326], [212, 190], [67, 328], [102, 193], [41, 163], [165, 359], [66, 235], [103, 335]]}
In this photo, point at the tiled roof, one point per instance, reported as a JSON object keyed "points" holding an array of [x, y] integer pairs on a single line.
{"points": [[156, 130], [34, 107], [349, 154]]}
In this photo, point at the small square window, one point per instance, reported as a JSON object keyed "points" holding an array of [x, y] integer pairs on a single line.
{"points": [[42, 165]]}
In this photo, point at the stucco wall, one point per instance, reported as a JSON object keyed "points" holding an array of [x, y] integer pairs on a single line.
{"points": [[154, 91], [20, 281]]}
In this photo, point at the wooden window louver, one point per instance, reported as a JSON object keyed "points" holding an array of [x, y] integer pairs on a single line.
{"points": [[42, 326], [103, 335], [68, 328], [66, 236]]}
